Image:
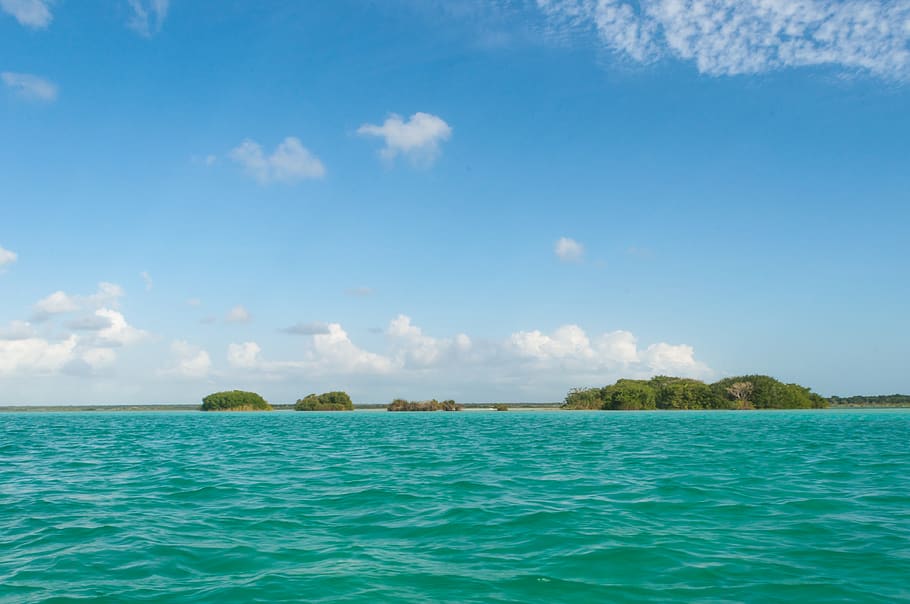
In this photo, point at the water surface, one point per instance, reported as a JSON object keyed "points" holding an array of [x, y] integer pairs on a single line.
{"points": [[455, 507]]}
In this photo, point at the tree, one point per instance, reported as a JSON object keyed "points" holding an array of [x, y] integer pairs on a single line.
{"points": [[327, 401], [741, 391], [584, 398], [629, 395], [235, 400]]}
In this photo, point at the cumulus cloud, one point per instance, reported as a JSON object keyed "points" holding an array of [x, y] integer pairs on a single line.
{"points": [[614, 353], [729, 37], [30, 87], [523, 362], [568, 250], [17, 330], [190, 361], [7, 257], [412, 347], [238, 314], [148, 16], [35, 355], [118, 332], [419, 138], [30, 13], [330, 353], [60, 302], [245, 355], [306, 329], [290, 162]]}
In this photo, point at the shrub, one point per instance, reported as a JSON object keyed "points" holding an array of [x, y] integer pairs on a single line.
{"points": [[399, 404], [235, 400], [584, 398], [327, 401], [501, 407]]}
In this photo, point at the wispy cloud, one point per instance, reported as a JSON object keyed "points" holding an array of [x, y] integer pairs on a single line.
{"points": [[238, 314], [290, 162], [306, 329], [30, 87], [568, 250], [7, 257], [418, 138], [359, 292], [148, 16], [30, 13], [147, 279], [730, 37]]}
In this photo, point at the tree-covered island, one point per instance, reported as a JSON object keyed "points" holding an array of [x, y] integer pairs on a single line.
{"points": [[327, 401], [665, 392], [235, 400], [399, 404]]}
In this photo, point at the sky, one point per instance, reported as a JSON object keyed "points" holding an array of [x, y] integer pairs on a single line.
{"points": [[481, 200]]}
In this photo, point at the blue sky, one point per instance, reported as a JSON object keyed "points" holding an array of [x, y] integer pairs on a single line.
{"points": [[477, 200]]}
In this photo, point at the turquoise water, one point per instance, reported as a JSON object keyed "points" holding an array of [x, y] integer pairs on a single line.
{"points": [[455, 507]]}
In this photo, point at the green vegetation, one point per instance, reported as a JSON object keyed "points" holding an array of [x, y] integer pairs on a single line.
{"points": [[501, 407], [399, 404], [664, 392], [887, 400], [235, 400], [327, 401]]}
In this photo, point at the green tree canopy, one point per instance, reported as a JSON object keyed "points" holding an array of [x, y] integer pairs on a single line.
{"points": [[327, 401], [630, 395], [235, 400], [667, 392]]}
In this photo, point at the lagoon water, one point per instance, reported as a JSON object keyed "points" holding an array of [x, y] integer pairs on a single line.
{"points": [[455, 507]]}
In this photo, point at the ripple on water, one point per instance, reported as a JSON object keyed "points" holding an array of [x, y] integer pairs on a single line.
{"points": [[472, 507]]}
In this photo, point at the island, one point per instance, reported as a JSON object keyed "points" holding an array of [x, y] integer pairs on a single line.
{"points": [[399, 404], [327, 401], [235, 400], [666, 392]]}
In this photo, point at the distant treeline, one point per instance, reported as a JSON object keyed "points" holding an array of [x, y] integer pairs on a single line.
{"points": [[239, 400], [887, 400], [399, 404], [665, 392]]}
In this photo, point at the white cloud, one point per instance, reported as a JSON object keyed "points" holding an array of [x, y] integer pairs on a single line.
{"points": [[526, 363], [60, 302], [245, 356], [147, 279], [290, 162], [418, 138], [568, 250], [148, 16], [189, 361], [30, 87], [30, 13], [330, 353], [56, 303], [17, 330], [412, 347], [96, 358], [613, 354], [238, 314], [728, 37], [35, 355], [7, 257], [194, 302], [119, 332]]}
